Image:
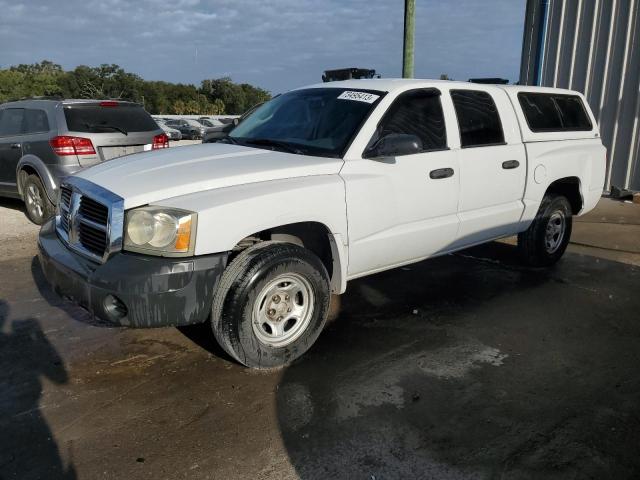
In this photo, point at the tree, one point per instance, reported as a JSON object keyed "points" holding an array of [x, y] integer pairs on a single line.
{"points": [[214, 97]]}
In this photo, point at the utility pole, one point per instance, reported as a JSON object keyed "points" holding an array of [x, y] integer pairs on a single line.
{"points": [[409, 24]]}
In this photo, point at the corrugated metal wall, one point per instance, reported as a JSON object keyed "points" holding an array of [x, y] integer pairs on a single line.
{"points": [[592, 46]]}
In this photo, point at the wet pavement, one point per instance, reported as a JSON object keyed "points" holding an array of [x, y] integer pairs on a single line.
{"points": [[466, 366]]}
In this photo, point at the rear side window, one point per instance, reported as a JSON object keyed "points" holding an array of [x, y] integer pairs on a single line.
{"points": [[36, 121], [546, 112], [478, 118], [418, 113], [11, 122], [95, 118]]}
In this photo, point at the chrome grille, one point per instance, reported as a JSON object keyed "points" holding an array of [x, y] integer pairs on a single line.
{"points": [[94, 211], [89, 219], [65, 204], [93, 239]]}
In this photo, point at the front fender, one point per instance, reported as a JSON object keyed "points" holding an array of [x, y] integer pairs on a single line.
{"points": [[227, 215]]}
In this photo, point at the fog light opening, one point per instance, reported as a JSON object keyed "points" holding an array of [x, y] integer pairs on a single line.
{"points": [[114, 307]]}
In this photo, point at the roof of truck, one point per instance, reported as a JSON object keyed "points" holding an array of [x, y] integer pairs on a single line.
{"points": [[392, 84]]}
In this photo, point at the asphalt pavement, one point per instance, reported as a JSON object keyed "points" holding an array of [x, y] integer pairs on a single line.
{"points": [[462, 367]]}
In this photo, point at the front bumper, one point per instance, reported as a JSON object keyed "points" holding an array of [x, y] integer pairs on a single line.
{"points": [[155, 291]]}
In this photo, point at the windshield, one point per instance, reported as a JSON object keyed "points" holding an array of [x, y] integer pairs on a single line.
{"points": [[315, 121]]}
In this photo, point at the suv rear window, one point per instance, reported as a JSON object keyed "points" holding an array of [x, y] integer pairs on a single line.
{"points": [[548, 112], [11, 121], [93, 118], [36, 121], [478, 118]]}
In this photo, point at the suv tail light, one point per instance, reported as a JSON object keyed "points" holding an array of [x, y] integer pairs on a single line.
{"points": [[66, 145], [160, 141]]}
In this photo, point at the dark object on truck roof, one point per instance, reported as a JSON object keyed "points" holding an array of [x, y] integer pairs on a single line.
{"points": [[348, 74], [490, 81]]}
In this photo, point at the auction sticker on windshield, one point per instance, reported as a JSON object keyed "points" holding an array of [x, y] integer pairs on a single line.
{"points": [[358, 96]]}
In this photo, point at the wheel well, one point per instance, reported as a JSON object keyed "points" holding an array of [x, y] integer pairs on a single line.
{"points": [[313, 236], [568, 187], [24, 172]]}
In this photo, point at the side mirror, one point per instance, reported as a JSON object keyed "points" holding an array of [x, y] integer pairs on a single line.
{"points": [[236, 121], [394, 145]]}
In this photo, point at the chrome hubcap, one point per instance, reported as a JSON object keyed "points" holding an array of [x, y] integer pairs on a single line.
{"points": [[554, 233], [34, 201], [282, 310]]}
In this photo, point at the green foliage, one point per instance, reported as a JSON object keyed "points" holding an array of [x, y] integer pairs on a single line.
{"points": [[236, 98], [214, 97]]}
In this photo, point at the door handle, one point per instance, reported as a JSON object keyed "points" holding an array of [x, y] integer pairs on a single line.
{"points": [[441, 173], [15, 145], [510, 164]]}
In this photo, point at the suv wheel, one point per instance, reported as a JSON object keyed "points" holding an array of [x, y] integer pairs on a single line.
{"points": [[39, 208], [547, 238], [271, 304]]}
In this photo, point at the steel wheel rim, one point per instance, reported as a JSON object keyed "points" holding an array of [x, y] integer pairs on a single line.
{"points": [[283, 310], [554, 232], [34, 201]]}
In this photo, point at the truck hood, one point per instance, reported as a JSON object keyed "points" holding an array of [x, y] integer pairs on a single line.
{"points": [[158, 175]]}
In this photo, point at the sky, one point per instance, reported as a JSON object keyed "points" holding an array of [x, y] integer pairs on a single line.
{"points": [[273, 44]]}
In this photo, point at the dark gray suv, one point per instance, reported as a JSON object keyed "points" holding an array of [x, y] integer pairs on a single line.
{"points": [[42, 141]]}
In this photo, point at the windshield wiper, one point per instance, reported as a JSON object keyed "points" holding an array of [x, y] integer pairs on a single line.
{"points": [[267, 142], [109, 127]]}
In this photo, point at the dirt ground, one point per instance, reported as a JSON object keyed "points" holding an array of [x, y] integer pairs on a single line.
{"points": [[466, 366]]}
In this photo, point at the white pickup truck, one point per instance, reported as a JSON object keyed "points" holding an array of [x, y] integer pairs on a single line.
{"points": [[317, 187]]}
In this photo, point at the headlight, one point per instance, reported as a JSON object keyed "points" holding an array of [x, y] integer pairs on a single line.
{"points": [[160, 231]]}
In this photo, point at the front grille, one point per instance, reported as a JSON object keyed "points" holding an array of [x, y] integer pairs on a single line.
{"points": [[65, 205], [65, 196], [85, 218], [93, 239], [94, 211]]}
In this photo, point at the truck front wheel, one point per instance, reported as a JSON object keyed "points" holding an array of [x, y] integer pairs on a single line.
{"points": [[546, 239], [271, 304]]}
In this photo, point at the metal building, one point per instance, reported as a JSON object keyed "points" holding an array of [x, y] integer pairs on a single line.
{"points": [[592, 46]]}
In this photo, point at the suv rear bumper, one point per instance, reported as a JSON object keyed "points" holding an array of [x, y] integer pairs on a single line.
{"points": [[154, 291]]}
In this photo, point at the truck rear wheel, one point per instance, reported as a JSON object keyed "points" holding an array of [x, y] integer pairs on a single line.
{"points": [[271, 304], [547, 238]]}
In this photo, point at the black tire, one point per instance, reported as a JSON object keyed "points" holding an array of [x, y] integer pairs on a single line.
{"points": [[244, 279], [536, 248], [37, 204]]}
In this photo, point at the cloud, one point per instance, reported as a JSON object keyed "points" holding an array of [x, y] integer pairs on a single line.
{"points": [[277, 44]]}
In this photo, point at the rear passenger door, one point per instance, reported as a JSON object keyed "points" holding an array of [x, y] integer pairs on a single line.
{"points": [[492, 165], [11, 137]]}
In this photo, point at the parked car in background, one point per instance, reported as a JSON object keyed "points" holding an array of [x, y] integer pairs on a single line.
{"points": [[190, 129], [210, 122], [318, 187], [172, 133], [223, 130], [42, 141]]}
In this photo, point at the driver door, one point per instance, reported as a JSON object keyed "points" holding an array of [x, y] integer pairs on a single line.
{"points": [[402, 209]]}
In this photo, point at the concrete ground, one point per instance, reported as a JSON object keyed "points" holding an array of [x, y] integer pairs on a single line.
{"points": [[466, 366]]}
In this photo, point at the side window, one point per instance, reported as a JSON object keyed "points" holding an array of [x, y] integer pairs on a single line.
{"points": [[36, 121], [478, 118], [546, 112], [11, 122], [418, 113]]}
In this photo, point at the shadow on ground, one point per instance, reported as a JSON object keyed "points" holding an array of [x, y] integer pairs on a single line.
{"points": [[13, 204], [26, 358], [470, 366]]}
